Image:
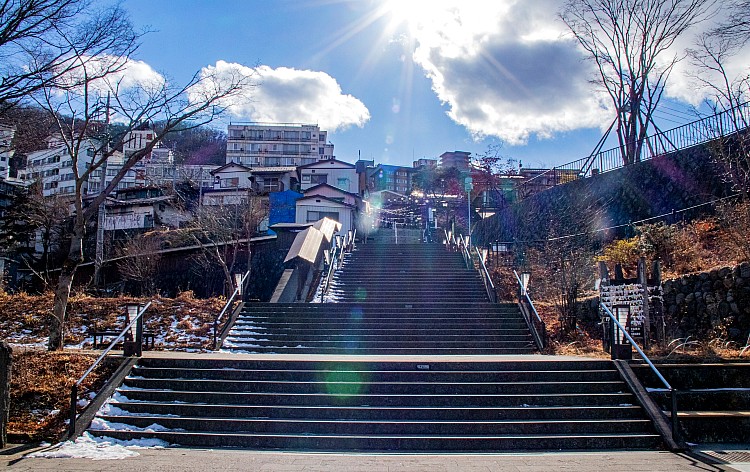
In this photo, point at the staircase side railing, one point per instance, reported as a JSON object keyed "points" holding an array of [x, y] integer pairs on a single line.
{"points": [[138, 322], [332, 266], [465, 252], [531, 316], [217, 321], [644, 357], [488, 284]]}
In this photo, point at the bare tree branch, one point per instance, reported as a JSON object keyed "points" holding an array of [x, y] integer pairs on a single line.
{"points": [[627, 40]]}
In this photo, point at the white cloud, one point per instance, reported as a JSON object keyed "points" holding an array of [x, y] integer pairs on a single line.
{"points": [[126, 74], [505, 69], [287, 95], [510, 68]]}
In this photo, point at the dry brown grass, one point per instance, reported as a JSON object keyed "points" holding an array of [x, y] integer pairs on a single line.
{"points": [[42, 380], [40, 390]]}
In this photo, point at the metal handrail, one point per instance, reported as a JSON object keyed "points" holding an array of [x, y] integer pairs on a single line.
{"points": [[230, 300], [643, 355], [488, 284], [326, 283], [682, 137], [539, 338], [138, 321]]}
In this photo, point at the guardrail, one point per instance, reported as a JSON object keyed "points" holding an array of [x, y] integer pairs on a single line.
{"points": [[672, 391], [217, 321], [676, 139], [345, 245], [535, 323], [336, 253], [138, 322], [488, 284]]}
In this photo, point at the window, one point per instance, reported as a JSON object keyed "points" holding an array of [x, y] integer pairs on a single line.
{"points": [[313, 216], [319, 179], [322, 138], [233, 182], [321, 151], [342, 183]]}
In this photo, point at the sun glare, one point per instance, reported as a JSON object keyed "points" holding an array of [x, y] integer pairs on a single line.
{"points": [[417, 13]]}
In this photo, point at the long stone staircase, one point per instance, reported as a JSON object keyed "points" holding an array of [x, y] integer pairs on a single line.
{"points": [[399, 307], [391, 299]]}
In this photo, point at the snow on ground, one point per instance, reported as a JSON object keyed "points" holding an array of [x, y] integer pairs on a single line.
{"points": [[95, 448]]}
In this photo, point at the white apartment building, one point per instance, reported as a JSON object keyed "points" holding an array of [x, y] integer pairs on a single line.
{"points": [[6, 149], [273, 145], [53, 169]]}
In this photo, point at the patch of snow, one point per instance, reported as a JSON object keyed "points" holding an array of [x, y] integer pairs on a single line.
{"points": [[100, 424], [89, 447]]}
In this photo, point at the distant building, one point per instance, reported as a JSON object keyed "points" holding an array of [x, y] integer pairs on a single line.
{"points": [[332, 172], [53, 169], [137, 139], [159, 174], [6, 149], [314, 207], [387, 177], [458, 159], [363, 168], [425, 163], [140, 209], [273, 145]]}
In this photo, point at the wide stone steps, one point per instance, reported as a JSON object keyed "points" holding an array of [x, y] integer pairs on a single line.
{"points": [[407, 406]]}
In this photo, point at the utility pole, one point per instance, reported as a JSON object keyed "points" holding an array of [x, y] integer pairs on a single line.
{"points": [[101, 216]]}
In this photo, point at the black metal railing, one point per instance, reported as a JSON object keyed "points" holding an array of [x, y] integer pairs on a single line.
{"points": [[138, 335], [342, 245], [535, 323], [661, 143], [486, 278], [217, 321], [614, 335]]}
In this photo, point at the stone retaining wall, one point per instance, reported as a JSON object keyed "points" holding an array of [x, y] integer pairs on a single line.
{"points": [[716, 302]]}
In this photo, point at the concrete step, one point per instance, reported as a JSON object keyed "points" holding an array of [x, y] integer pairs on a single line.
{"points": [[465, 413], [308, 426], [400, 443]]}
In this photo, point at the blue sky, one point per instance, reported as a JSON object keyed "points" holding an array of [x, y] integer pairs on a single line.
{"points": [[398, 80]]}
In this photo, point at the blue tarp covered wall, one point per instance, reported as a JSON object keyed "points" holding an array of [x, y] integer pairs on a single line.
{"points": [[283, 206]]}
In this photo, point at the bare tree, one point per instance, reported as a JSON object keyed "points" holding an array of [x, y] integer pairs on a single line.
{"points": [[631, 43], [728, 94], [31, 218], [96, 89], [737, 28], [139, 260], [222, 230], [42, 41]]}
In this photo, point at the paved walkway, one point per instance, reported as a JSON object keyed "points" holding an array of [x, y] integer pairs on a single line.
{"points": [[200, 460]]}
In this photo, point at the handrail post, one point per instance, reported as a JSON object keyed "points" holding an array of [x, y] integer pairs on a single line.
{"points": [[673, 393], [73, 413], [674, 412], [139, 336]]}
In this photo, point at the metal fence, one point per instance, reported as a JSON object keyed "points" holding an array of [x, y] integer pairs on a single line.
{"points": [[659, 144]]}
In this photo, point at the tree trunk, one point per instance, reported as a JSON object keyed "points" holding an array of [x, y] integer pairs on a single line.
{"points": [[62, 292], [6, 362]]}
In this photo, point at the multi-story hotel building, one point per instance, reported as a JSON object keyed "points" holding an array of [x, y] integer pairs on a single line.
{"points": [[274, 145]]}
